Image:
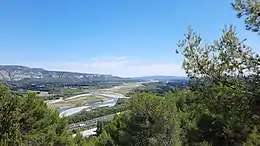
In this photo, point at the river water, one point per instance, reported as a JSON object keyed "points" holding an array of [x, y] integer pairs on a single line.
{"points": [[68, 111]]}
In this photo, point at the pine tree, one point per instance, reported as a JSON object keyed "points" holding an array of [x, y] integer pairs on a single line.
{"points": [[42, 125], [80, 140], [224, 76], [10, 133], [250, 9], [28, 121]]}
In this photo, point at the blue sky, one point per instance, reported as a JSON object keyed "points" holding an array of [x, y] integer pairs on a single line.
{"points": [[125, 38]]}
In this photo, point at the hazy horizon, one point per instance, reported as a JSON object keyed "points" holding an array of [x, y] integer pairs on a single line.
{"points": [[92, 72]]}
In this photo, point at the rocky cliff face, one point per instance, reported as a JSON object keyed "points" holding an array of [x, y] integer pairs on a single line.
{"points": [[16, 73]]}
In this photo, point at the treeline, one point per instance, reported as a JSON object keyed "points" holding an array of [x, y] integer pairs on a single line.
{"points": [[49, 86], [160, 88]]}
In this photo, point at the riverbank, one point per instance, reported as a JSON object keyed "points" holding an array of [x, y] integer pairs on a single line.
{"points": [[91, 99], [112, 99]]}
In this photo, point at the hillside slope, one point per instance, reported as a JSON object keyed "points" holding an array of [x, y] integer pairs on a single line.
{"points": [[17, 73]]}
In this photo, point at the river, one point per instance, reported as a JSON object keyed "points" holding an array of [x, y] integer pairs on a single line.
{"points": [[113, 97]]}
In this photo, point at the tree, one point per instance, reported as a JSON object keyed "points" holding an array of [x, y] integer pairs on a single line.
{"points": [[104, 140], [42, 125], [254, 138], [250, 9], [100, 127], [10, 133], [147, 124], [80, 140], [116, 128], [223, 75], [28, 121], [151, 120]]}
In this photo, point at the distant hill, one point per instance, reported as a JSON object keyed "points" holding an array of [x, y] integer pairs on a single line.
{"points": [[147, 78], [23, 73]]}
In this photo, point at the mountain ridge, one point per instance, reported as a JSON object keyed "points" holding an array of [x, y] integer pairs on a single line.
{"points": [[18, 72]]}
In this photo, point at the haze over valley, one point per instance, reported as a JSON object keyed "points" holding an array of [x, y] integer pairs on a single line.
{"points": [[18, 73]]}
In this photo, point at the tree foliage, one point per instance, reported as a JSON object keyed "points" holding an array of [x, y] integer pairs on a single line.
{"points": [[221, 107], [250, 10], [80, 140], [223, 75], [28, 121], [151, 120], [10, 133]]}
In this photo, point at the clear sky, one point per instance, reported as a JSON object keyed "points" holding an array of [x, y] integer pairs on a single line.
{"points": [[120, 37]]}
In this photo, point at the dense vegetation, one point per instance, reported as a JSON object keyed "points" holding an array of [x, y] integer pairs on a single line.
{"points": [[220, 107], [52, 86], [160, 88], [28, 121]]}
